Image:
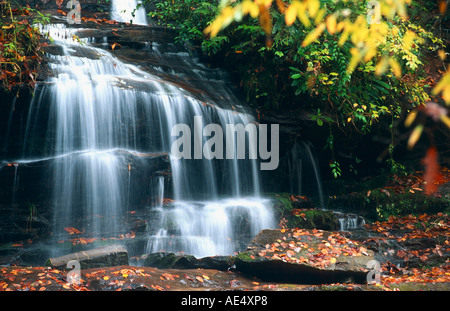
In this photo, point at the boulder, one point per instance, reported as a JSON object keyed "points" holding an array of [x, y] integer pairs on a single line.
{"points": [[108, 256], [305, 257], [299, 212], [162, 260]]}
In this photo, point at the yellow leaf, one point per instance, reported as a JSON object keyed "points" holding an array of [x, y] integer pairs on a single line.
{"points": [[290, 15], [344, 37], [333, 260], [223, 20], [395, 67], [354, 61], [445, 119], [415, 135], [408, 40], [446, 94], [313, 7], [331, 24], [319, 16], [213, 29], [313, 35], [444, 82], [250, 7], [301, 12], [340, 26], [381, 67], [106, 278], [410, 118], [266, 3], [442, 54]]}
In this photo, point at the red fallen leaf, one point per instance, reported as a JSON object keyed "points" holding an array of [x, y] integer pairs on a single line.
{"points": [[72, 230], [199, 278], [114, 45], [59, 2], [432, 173]]}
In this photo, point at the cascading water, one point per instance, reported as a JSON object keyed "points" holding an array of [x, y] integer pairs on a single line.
{"points": [[104, 119], [125, 11], [304, 172], [304, 179]]}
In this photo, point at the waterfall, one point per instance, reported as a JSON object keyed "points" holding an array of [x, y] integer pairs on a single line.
{"points": [[104, 119], [125, 11], [304, 174]]}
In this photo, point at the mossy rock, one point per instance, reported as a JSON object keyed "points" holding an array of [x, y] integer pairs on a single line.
{"points": [[300, 213], [314, 219], [163, 260], [379, 204], [288, 255]]}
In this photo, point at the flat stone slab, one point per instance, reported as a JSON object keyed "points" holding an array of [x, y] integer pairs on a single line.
{"points": [[162, 260], [305, 257], [108, 256]]}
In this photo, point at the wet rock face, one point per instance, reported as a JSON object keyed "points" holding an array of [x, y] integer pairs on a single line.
{"points": [[173, 261], [305, 257], [112, 255], [26, 188]]}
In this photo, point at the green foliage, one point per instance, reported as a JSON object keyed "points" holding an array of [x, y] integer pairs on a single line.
{"points": [[277, 71], [335, 169], [189, 18], [20, 48]]}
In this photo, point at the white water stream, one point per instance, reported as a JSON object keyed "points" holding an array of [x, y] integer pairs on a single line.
{"points": [[97, 119]]}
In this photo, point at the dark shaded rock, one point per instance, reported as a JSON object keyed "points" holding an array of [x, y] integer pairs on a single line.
{"points": [[298, 212], [444, 190], [303, 257], [379, 204], [26, 189], [23, 222], [164, 260], [109, 256]]}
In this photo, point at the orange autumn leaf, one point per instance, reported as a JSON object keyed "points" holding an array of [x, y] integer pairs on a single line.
{"points": [[265, 19], [442, 6], [432, 173], [114, 45], [72, 230], [199, 278]]}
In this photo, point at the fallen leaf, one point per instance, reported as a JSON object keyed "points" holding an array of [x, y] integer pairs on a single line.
{"points": [[72, 230]]}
